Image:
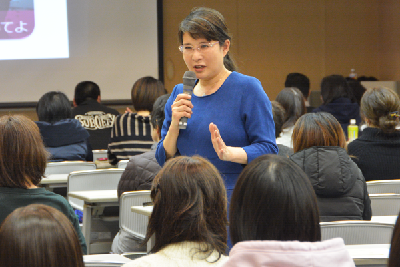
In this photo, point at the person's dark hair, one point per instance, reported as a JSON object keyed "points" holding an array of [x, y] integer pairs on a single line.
{"points": [[381, 106], [53, 106], [292, 100], [207, 23], [334, 87], [278, 113], [365, 78], [317, 129], [23, 157], [158, 113], [39, 236], [394, 255], [273, 200], [357, 89], [300, 81], [145, 91], [190, 204], [86, 90]]}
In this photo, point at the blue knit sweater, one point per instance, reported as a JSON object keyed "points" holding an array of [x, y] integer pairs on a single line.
{"points": [[242, 112]]}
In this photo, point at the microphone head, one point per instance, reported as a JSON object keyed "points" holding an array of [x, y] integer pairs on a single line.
{"points": [[189, 78]]}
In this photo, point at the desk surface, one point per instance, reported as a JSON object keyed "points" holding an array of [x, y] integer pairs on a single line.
{"points": [[369, 254], [384, 219], [97, 196], [55, 179], [144, 210]]}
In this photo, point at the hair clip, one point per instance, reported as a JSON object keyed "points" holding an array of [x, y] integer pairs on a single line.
{"points": [[394, 114]]}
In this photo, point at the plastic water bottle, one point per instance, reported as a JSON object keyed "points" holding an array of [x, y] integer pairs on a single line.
{"points": [[353, 74], [352, 130]]}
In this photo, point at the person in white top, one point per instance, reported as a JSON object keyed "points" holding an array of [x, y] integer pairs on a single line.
{"points": [[189, 218], [292, 101], [274, 219]]}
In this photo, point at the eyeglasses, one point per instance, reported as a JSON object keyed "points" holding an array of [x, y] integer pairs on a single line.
{"points": [[189, 49]]}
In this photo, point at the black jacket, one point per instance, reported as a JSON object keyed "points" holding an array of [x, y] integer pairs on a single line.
{"points": [[337, 181], [139, 173]]}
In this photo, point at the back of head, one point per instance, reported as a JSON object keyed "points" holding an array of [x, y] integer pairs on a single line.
{"points": [[207, 23], [334, 87], [292, 100], [278, 113], [53, 106], [39, 236], [357, 89], [273, 200], [300, 81], [158, 113], [86, 90], [190, 203], [317, 129], [145, 91], [23, 156], [381, 106]]}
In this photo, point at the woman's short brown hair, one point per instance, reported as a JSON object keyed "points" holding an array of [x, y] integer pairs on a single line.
{"points": [[145, 91], [381, 107], [317, 129], [23, 155], [39, 236], [190, 204]]}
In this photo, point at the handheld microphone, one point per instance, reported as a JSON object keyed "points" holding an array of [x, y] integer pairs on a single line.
{"points": [[189, 79]]}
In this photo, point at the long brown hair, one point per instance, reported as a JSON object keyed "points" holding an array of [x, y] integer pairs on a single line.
{"points": [[190, 204], [292, 100], [317, 129], [203, 22], [145, 91], [381, 107], [23, 156], [39, 236]]}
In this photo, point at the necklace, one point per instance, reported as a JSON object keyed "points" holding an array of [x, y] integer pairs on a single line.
{"points": [[202, 91]]}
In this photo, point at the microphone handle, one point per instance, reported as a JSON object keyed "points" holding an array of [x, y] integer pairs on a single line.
{"points": [[183, 121]]}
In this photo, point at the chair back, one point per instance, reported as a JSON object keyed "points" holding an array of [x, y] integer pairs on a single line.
{"points": [[66, 167], [383, 186], [122, 164], [385, 204], [103, 179], [357, 232], [132, 222]]}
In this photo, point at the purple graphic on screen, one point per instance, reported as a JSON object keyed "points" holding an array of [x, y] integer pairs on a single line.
{"points": [[17, 19]]}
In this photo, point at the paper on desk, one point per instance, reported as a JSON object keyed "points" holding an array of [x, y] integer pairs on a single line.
{"points": [[105, 258]]}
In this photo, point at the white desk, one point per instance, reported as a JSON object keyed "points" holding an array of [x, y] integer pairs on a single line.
{"points": [[146, 211], [371, 254], [384, 219], [55, 180], [93, 200]]}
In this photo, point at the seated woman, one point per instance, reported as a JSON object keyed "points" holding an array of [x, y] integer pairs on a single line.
{"points": [[63, 136], [23, 160], [131, 134], [278, 113], [39, 236], [274, 220], [189, 216], [292, 101], [138, 175], [338, 100], [377, 151], [319, 147]]}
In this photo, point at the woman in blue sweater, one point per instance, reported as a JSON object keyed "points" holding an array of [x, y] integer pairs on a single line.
{"points": [[230, 119]]}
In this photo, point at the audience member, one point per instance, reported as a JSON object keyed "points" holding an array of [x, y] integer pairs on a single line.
{"points": [[278, 114], [63, 136], [23, 160], [274, 219], [301, 82], [39, 236], [339, 101], [131, 134], [189, 216], [292, 101], [98, 119], [320, 150], [357, 89], [138, 175], [394, 255], [377, 151]]}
